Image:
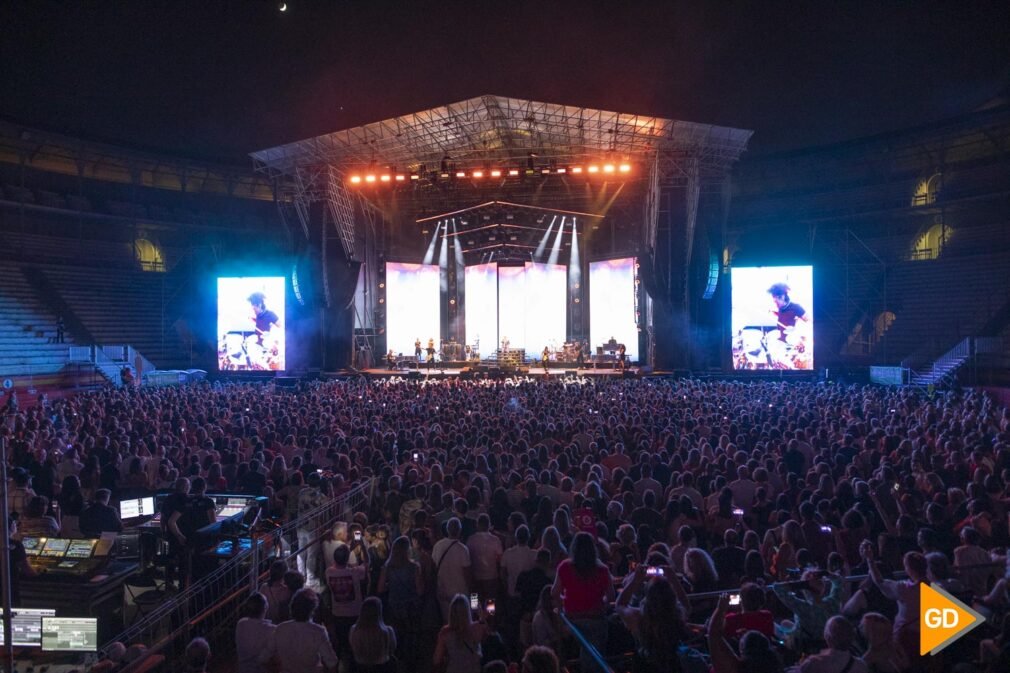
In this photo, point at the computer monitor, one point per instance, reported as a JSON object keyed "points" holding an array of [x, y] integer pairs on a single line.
{"points": [[237, 502], [230, 510], [26, 626], [55, 547], [33, 545], [69, 634], [136, 508], [81, 548]]}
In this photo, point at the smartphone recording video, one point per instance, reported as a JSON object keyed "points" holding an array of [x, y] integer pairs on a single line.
{"points": [[474, 602]]}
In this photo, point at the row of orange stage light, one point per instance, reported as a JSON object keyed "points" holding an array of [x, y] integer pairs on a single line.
{"points": [[480, 174]]}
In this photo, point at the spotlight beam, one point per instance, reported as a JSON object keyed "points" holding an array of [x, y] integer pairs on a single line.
{"points": [[543, 241], [556, 250], [429, 256]]}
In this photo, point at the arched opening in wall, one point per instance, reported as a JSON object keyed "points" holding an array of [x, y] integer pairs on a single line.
{"points": [[927, 190], [148, 255], [929, 243]]}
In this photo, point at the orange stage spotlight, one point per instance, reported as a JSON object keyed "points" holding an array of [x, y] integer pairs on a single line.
{"points": [[385, 178], [608, 168], [355, 179], [496, 173], [576, 169], [513, 172], [369, 178], [625, 168], [401, 178], [478, 174], [593, 169], [461, 174]]}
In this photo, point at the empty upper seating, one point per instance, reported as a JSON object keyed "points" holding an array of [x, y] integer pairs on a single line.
{"points": [[26, 328]]}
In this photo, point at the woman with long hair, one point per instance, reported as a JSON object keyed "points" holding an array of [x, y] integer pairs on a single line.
{"points": [[659, 627], [373, 643], [547, 628], [276, 592], [699, 569], [71, 502], [401, 579], [551, 541], [458, 648], [584, 587]]}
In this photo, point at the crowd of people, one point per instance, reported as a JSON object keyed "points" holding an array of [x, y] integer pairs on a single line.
{"points": [[674, 525]]}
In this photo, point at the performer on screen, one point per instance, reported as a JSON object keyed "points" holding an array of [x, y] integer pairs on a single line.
{"points": [[621, 357], [787, 350], [787, 311], [265, 347], [546, 357], [417, 349]]}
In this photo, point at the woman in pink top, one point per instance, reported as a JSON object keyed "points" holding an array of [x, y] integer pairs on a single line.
{"points": [[584, 588]]}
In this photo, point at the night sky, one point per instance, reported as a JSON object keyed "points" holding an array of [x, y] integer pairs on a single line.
{"points": [[218, 79]]}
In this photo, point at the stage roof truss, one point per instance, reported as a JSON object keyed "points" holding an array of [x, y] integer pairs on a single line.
{"points": [[496, 130]]}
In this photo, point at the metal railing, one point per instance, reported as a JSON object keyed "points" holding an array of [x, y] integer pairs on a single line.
{"points": [[586, 645], [210, 607]]}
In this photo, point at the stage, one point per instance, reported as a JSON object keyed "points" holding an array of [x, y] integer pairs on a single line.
{"points": [[475, 370]]}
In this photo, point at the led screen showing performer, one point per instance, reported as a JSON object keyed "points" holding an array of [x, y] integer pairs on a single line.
{"points": [[250, 324], [772, 317]]}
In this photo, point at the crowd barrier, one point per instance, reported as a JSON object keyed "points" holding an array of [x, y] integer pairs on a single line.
{"points": [[210, 607]]}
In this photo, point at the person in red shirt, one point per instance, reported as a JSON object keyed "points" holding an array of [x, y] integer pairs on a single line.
{"points": [[753, 615], [584, 588]]}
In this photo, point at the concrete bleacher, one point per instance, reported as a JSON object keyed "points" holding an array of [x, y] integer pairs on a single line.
{"points": [[124, 307], [26, 328]]}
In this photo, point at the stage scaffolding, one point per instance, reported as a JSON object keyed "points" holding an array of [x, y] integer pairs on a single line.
{"points": [[495, 131]]}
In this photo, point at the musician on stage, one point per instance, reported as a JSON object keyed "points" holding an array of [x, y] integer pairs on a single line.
{"points": [[431, 353], [621, 357], [580, 355], [546, 357], [390, 360], [417, 349]]}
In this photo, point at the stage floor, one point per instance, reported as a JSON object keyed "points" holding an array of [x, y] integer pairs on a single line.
{"points": [[534, 372]]}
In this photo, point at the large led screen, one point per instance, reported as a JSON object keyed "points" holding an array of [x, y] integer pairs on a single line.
{"points": [[511, 306], [250, 324], [412, 306], [772, 317], [546, 285], [481, 292], [612, 306]]}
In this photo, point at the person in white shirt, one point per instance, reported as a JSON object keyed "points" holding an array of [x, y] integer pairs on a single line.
{"points": [[517, 559], [300, 645], [452, 566], [647, 483], [252, 634], [341, 599], [743, 489], [839, 634], [973, 561], [485, 556]]}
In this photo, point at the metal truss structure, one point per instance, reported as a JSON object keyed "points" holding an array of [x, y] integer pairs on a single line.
{"points": [[498, 131]]}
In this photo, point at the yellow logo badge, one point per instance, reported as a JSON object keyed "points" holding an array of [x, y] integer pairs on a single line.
{"points": [[942, 619]]}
